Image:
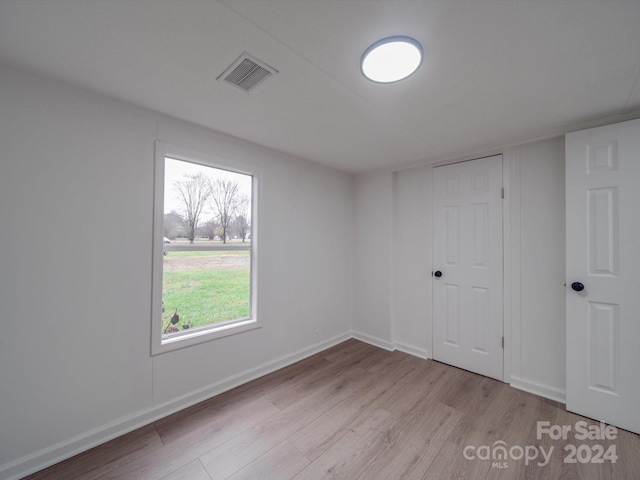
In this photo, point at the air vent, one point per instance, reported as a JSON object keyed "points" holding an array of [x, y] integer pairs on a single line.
{"points": [[246, 73]]}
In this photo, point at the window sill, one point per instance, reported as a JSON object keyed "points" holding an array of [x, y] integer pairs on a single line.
{"points": [[189, 339]]}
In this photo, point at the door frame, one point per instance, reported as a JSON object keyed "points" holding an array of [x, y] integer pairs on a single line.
{"points": [[510, 251]]}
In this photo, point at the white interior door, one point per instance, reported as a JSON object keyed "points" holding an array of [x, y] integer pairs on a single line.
{"points": [[603, 245], [467, 260]]}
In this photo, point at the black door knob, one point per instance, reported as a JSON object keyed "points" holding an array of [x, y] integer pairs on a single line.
{"points": [[437, 273], [577, 286]]}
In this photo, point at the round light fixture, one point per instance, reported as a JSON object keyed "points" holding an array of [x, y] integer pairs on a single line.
{"points": [[391, 59]]}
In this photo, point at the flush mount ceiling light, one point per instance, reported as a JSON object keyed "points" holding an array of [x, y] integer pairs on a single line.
{"points": [[391, 59]]}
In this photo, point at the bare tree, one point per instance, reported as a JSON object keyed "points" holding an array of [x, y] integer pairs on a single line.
{"points": [[224, 201], [209, 229], [194, 191], [241, 222]]}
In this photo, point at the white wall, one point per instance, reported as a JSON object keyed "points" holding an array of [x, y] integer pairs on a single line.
{"points": [[76, 188], [534, 318], [412, 253], [538, 297], [372, 257]]}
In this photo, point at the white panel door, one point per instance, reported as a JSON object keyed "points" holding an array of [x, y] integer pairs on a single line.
{"points": [[603, 273], [467, 260]]}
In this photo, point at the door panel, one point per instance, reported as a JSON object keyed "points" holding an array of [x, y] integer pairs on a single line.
{"points": [[481, 319], [603, 230], [603, 235], [603, 346], [481, 235], [452, 315], [467, 305], [452, 227]]}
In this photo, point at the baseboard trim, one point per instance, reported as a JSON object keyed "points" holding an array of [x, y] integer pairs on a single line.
{"points": [[375, 341], [415, 351], [378, 342], [58, 452], [546, 391]]}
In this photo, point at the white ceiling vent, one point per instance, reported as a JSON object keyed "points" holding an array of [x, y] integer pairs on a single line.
{"points": [[247, 72]]}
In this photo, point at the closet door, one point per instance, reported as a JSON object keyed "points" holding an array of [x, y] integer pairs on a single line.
{"points": [[467, 259], [603, 273]]}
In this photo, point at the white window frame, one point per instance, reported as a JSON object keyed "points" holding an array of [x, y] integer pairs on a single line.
{"points": [[188, 338]]}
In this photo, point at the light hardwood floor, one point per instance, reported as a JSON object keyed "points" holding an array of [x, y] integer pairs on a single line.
{"points": [[353, 412]]}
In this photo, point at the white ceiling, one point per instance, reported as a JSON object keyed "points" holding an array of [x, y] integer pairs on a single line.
{"points": [[496, 72]]}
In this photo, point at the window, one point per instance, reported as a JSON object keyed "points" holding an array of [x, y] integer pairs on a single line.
{"points": [[203, 251]]}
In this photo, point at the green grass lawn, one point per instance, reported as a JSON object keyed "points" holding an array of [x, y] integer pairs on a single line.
{"points": [[207, 295], [209, 253]]}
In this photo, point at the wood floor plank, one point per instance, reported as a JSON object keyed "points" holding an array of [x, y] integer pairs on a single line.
{"points": [[345, 350], [493, 422], [282, 381], [175, 427], [521, 415], [283, 461], [409, 454], [424, 388], [191, 471], [312, 381], [317, 436], [194, 444], [216, 422], [235, 454], [476, 431], [346, 458], [449, 464], [104, 458], [468, 391], [385, 361]]}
